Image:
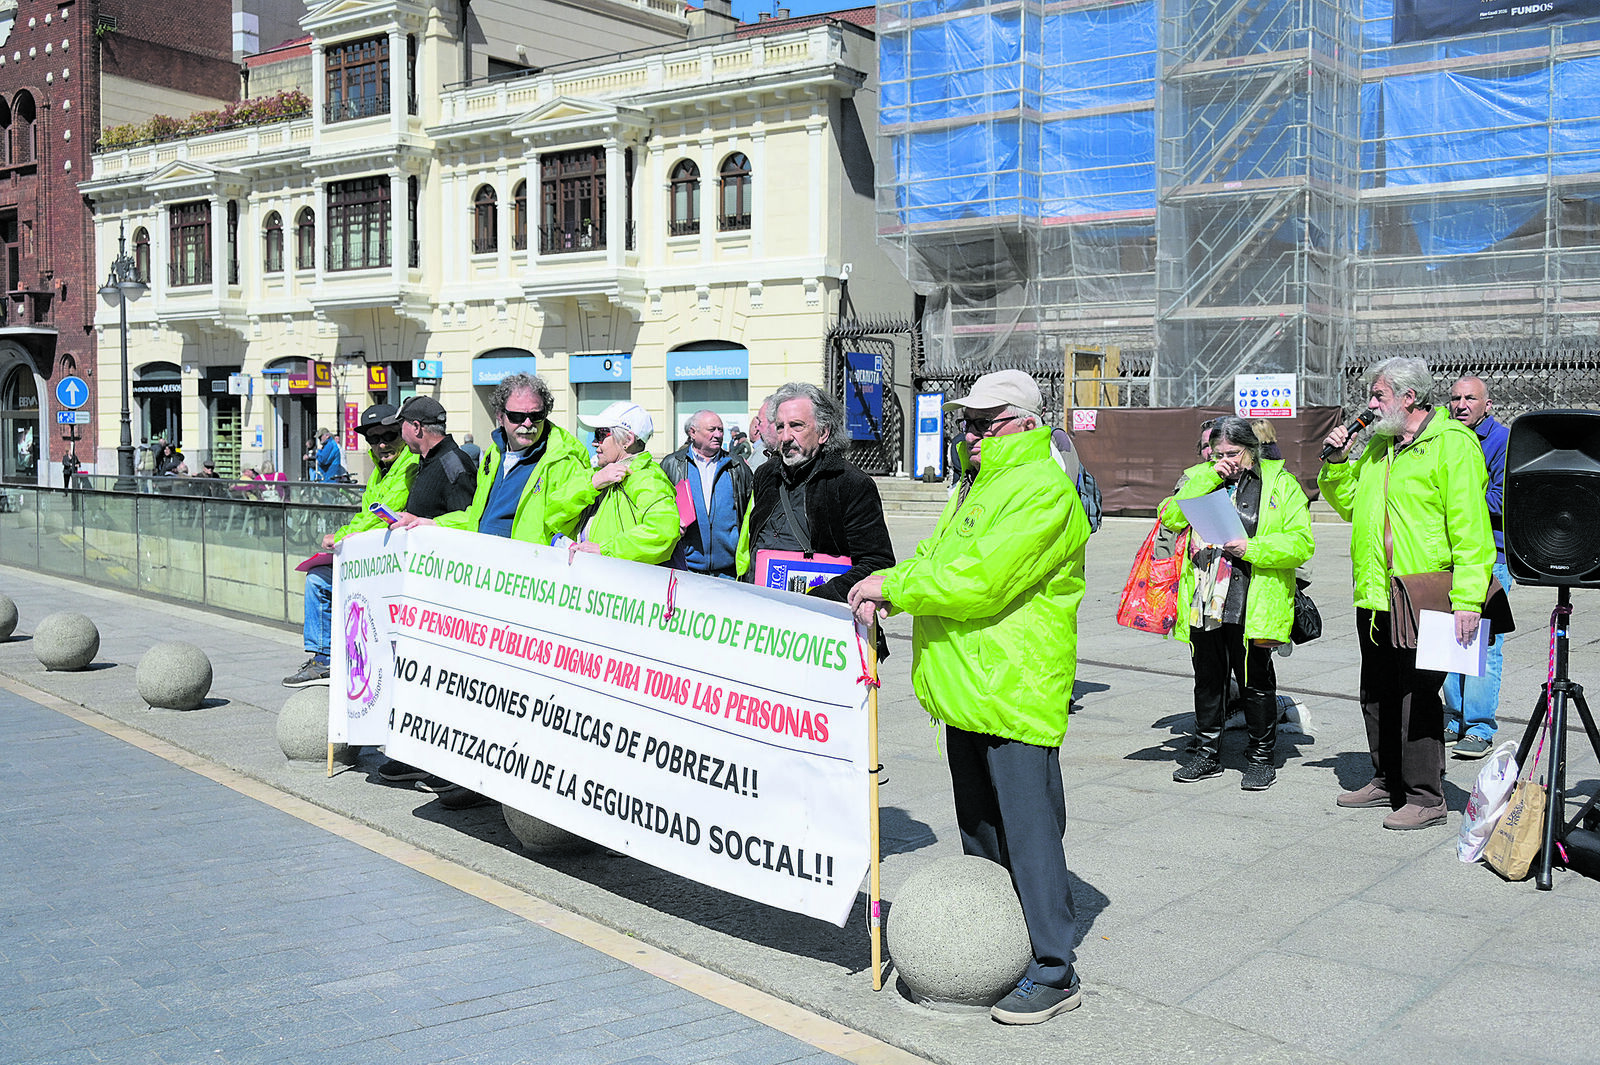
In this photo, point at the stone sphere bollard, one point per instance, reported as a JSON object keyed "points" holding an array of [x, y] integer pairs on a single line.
{"points": [[957, 935], [537, 835], [8, 617], [303, 727], [66, 641], [174, 676]]}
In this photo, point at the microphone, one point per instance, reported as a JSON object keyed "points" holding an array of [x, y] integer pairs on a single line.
{"points": [[1366, 418]]}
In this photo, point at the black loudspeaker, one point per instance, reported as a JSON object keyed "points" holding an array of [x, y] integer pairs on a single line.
{"points": [[1552, 498]]}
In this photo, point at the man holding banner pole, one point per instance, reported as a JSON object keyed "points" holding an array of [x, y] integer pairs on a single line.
{"points": [[995, 591]]}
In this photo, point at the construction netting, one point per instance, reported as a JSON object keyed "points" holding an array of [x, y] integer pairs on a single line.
{"points": [[1243, 186]]}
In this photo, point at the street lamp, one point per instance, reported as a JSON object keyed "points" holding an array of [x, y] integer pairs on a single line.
{"points": [[122, 285]]}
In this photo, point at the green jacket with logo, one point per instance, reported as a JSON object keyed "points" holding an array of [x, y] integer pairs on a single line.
{"points": [[556, 493], [1281, 543], [391, 487], [636, 518], [995, 591], [1433, 494]]}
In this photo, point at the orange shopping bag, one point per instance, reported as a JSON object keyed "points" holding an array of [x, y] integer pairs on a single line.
{"points": [[1150, 597]]}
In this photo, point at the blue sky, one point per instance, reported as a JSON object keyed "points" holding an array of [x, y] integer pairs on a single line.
{"points": [[750, 10]]}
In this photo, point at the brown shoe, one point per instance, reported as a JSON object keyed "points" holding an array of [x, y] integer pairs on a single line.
{"points": [[1411, 816], [1374, 794]]}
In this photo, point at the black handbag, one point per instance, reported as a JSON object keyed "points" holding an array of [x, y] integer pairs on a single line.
{"points": [[1307, 619]]}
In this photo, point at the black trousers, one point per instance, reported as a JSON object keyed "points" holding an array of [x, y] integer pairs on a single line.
{"points": [[1011, 809], [1403, 713], [1221, 652]]}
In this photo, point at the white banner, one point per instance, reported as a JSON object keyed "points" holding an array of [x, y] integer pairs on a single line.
{"points": [[715, 730]]}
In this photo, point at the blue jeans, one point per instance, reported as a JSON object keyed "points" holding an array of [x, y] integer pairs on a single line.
{"points": [[319, 611], [1470, 702]]}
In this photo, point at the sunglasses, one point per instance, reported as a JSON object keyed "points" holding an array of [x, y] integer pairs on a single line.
{"points": [[524, 417], [387, 436], [981, 426], [600, 435]]}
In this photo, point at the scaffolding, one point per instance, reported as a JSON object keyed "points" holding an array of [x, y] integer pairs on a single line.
{"points": [[1228, 186]]}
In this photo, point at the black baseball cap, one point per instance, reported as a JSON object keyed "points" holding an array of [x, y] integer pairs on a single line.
{"points": [[424, 409], [377, 416]]}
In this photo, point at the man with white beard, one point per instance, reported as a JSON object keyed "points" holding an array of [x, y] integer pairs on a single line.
{"points": [[1415, 501]]}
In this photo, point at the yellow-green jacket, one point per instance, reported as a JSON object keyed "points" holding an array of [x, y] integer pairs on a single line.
{"points": [[1282, 542], [995, 591], [555, 495], [1433, 494], [391, 487], [636, 518]]}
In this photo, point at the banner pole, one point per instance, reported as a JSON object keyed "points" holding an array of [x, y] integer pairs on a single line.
{"points": [[874, 897], [330, 758]]}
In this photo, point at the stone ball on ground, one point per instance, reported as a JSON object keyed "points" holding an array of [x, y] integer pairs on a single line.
{"points": [[174, 676], [8, 617], [537, 835], [956, 933], [303, 727], [66, 641]]}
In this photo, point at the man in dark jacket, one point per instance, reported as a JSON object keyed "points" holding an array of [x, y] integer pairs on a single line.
{"points": [[812, 500], [719, 484], [446, 479]]}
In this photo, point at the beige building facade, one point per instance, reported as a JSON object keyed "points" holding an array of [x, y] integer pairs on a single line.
{"points": [[669, 225]]}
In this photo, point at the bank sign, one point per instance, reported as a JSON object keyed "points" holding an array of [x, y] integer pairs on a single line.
{"points": [[1425, 20]]}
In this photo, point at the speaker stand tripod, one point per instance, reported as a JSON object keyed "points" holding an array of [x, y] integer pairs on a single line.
{"points": [[1553, 699]]}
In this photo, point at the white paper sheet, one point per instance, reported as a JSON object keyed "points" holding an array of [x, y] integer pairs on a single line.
{"points": [[1437, 648], [1213, 518]]}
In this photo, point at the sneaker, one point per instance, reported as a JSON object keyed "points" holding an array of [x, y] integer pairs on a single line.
{"points": [[462, 799], [1374, 794], [1411, 816], [429, 782], [1472, 747], [313, 672], [1452, 733], [398, 771], [1258, 777], [1033, 1003], [1203, 767]]}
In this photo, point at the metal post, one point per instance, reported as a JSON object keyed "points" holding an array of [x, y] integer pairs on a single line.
{"points": [[122, 283]]}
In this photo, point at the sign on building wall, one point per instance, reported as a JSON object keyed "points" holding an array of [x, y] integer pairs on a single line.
{"points": [[722, 364], [427, 369], [352, 418], [491, 371], [378, 377], [1264, 395], [863, 395], [1423, 20], [594, 369], [321, 373]]}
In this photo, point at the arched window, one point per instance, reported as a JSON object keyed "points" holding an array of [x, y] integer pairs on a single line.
{"points": [[735, 180], [519, 216], [685, 199], [272, 234], [23, 139], [141, 253], [305, 240], [5, 132], [485, 220]]}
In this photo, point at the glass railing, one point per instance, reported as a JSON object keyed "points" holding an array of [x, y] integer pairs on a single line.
{"points": [[181, 540]]}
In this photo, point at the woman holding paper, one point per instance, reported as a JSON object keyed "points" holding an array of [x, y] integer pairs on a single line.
{"points": [[1240, 593]]}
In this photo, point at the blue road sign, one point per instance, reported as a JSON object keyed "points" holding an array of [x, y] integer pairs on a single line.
{"points": [[72, 392], [72, 417]]}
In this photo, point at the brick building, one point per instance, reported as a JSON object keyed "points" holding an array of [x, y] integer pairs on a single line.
{"points": [[68, 67]]}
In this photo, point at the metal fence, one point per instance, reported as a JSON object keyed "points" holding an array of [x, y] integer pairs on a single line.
{"points": [[1521, 377], [234, 554]]}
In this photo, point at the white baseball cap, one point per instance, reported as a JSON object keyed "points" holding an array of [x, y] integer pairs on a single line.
{"points": [[619, 415], [1002, 388]]}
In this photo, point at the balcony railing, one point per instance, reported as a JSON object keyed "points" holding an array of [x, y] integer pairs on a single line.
{"points": [[730, 222], [27, 307], [338, 257], [561, 240], [683, 227], [182, 274], [360, 107]]}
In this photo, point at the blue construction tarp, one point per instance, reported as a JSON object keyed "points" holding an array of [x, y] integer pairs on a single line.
{"points": [[1099, 57], [1099, 163]]}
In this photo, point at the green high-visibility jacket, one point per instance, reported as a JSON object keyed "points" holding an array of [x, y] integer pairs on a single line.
{"points": [[557, 491], [1432, 492], [995, 591], [1282, 542], [636, 518], [391, 487]]}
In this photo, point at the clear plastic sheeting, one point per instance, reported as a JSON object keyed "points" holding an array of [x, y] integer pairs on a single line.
{"points": [[1308, 194]]}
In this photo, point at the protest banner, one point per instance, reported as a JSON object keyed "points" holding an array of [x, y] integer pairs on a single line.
{"points": [[709, 728], [367, 575]]}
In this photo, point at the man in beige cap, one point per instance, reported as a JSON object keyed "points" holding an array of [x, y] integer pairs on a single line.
{"points": [[995, 591]]}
